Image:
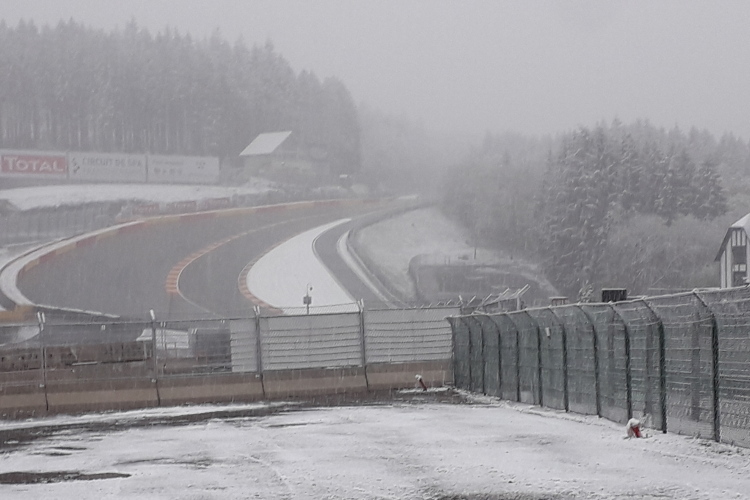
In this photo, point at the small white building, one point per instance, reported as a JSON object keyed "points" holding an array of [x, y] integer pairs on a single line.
{"points": [[733, 254]]}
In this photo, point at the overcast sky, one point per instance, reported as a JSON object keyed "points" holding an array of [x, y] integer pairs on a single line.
{"points": [[483, 65]]}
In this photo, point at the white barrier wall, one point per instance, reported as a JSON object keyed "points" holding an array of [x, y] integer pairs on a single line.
{"points": [[342, 340], [408, 335], [182, 169], [310, 341], [106, 167]]}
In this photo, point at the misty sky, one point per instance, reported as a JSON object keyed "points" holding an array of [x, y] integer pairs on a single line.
{"points": [[483, 65]]}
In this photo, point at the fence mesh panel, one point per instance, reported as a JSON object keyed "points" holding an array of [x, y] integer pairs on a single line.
{"points": [[645, 366], [528, 357], [491, 353], [580, 341], [406, 335], [688, 365], [244, 345], [611, 361], [476, 354], [190, 347], [508, 345], [552, 355], [311, 341], [732, 312], [461, 351]]}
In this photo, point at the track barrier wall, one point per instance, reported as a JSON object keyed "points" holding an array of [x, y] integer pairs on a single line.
{"points": [[679, 363], [65, 365]]}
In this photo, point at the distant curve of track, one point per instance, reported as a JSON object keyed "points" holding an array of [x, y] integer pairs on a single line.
{"points": [[129, 273]]}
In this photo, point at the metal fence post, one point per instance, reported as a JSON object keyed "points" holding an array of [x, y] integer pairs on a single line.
{"points": [[482, 356], [715, 367], [472, 323], [361, 306], [259, 349], [43, 351], [499, 359], [564, 333], [153, 355], [518, 357], [469, 350], [454, 361]]}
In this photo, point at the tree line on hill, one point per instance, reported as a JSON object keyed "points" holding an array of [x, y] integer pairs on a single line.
{"points": [[614, 205], [70, 87]]}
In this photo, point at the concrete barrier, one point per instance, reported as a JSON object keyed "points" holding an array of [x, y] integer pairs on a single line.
{"points": [[100, 387], [130, 385], [215, 388], [388, 376], [22, 394], [314, 382]]}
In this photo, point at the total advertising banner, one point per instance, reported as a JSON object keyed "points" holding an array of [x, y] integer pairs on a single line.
{"points": [[33, 164], [106, 167], [183, 169]]}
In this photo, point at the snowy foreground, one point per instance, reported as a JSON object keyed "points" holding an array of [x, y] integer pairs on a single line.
{"points": [[402, 450]]}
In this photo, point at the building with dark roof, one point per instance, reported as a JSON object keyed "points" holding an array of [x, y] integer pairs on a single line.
{"points": [[733, 254], [280, 156]]}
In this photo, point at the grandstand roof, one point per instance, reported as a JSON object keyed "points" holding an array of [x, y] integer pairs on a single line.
{"points": [[265, 144]]}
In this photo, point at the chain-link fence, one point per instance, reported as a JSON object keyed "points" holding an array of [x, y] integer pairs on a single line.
{"points": [[68, 363], [678, 362]]}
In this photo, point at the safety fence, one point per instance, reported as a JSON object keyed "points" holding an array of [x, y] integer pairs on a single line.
{"points": [[679, 363], [45, 224], [57, 365]]}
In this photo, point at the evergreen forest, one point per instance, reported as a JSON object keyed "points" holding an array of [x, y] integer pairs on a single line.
{"points": [[632, 206], [73, 88]]}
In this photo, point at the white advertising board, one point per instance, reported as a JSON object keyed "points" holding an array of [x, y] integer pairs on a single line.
{"points": [[183, 169], [107, 167], [33, 164]]}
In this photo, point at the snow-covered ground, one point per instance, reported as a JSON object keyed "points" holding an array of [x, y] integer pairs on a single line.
{"points": [[392, 243], [486, 450]]}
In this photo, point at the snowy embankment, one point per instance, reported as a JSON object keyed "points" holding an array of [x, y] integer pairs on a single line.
{"points": [[391, 244], [31, 198]]}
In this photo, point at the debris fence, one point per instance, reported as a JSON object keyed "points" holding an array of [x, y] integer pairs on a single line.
{"points": [[679, 363], [62, 352]]}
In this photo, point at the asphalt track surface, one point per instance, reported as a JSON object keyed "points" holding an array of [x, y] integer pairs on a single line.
{"points": [[326, 248], [128, 274]]}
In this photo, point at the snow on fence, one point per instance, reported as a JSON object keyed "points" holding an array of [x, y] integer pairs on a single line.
{"points": [[679, 362]]}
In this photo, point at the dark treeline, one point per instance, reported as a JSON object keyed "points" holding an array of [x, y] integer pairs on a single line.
{"points": [[611, 206], [74, 88]]}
